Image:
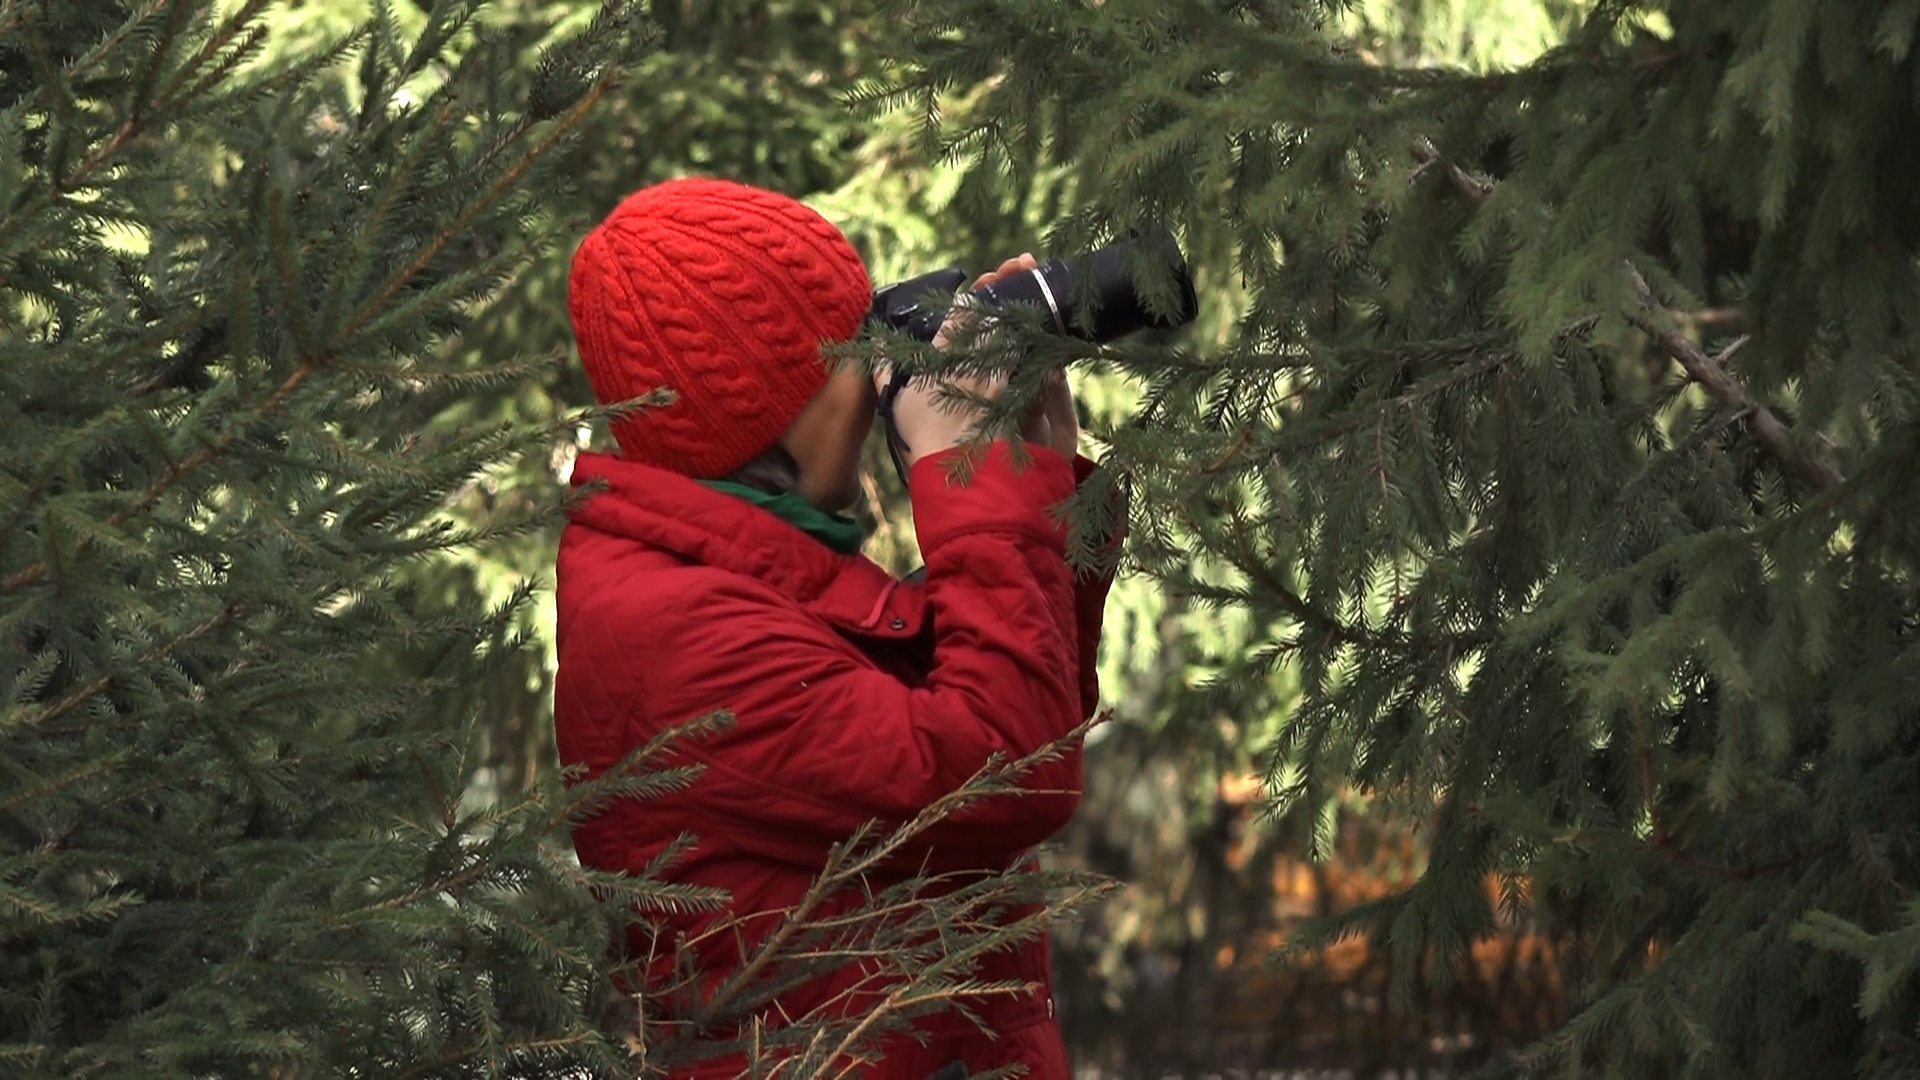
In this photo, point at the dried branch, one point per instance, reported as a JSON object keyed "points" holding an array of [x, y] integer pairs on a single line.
{"points": [[850, 862], [1660, 325], [1470, 187], [1711, 373], [911, 946]]}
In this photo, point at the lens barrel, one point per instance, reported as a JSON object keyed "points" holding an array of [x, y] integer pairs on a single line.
{"points": [[1117, 308]]}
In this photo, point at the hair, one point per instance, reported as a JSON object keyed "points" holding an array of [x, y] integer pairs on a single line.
{"points": [[773, 471]]}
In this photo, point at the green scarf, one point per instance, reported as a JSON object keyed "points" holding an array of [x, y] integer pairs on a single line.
{"points": [[837, 531]]}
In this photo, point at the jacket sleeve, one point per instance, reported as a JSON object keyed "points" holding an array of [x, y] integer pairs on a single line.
{"points": [[824, 742]]}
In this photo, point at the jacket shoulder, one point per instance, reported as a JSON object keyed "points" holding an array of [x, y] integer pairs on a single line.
{"points": [[653, 592], [627, 638]]}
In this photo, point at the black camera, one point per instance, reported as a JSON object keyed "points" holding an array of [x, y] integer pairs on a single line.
{"points": [[1115, 308]]}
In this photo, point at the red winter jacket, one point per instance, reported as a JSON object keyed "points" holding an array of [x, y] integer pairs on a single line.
{"points": [[855, 697]]}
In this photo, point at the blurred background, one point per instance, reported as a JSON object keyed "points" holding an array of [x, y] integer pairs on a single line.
{"points": [[1183, 971]]}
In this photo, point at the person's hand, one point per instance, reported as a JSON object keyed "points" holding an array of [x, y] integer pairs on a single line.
{"points": [[1059, 420], [928, 424]]}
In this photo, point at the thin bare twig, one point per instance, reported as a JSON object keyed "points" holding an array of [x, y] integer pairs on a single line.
{"points": [[1711, 373], [1659, 324], [1470, 187]]}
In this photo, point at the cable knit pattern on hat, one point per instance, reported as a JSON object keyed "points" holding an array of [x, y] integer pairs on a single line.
{"points": [[724, 294]]}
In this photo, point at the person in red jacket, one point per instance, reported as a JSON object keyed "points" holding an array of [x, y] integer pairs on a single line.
{"points": [[714, 570]]}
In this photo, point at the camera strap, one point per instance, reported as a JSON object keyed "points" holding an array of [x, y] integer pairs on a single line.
{"points": [[896, 446]]}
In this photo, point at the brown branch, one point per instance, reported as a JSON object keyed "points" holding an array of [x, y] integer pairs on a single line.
{"points": [[10, 16], [1711, 373], [1482, 364], [1664, 842], [1232, 451], [1658, 324], [825, 884], [136, 112], [1720, 320], [236, 27], [895, 1002], [89, 771], [1470, 188], [445, 884], [157, 59]]}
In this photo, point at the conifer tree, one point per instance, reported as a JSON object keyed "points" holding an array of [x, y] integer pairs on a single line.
{"points": [[232, 828], [1561, 450], [244, 824]]}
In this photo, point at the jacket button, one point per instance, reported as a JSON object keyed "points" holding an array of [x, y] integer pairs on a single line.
{"points": [[899, 624]]}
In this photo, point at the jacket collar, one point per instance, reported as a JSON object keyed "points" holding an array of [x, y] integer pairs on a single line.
{"points": [[689, 520]]}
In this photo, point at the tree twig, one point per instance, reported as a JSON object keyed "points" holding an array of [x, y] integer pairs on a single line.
{"points": [[1658, 324], [1470, 187], [82, 694], [1711, 373]]}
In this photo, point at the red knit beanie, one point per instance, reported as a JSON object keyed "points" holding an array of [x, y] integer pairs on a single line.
{"points": [[723, 293]]}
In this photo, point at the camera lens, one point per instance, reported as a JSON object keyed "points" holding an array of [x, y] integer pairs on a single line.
{"points": [[1117, 308]]}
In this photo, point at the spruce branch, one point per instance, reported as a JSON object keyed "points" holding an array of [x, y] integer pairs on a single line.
{"points": [[139, 105], [507, 181], [1470, 187], [1386, 508], [65, 780], [186, 466], [289, 291], [312, 360], [1711, 373], [1337, 631], [158, 652], [373, 219], [100, 156], [1226, 457], [851, 860], [468, 1053], [139, 108], [1659, 324], [1663, 840], [239, 27]]}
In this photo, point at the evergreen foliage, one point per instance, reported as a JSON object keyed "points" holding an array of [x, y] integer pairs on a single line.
{"points": [[249, 822], [1561, 452], [231, 791]]}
